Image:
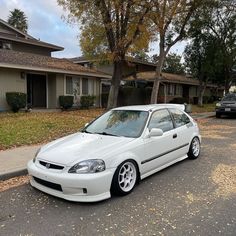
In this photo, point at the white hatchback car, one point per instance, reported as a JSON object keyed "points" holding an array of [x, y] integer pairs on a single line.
{"points": [[114, 152]]}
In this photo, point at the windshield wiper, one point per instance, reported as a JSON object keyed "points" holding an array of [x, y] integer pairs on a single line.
{"points": [[87, 132], [105, 133]]}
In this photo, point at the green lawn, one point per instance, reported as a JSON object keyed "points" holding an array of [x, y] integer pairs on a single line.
{"points": [[204, 108], [33, 128]]}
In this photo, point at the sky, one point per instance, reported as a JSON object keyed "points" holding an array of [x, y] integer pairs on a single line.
{"points": [[45, 22]]}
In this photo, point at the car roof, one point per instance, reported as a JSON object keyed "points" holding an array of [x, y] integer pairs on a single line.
{"points": [[152, 107]]}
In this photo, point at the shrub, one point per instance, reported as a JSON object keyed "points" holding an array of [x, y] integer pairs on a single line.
{"points": [[66, 102], [179, 100], [16, 100], [87, 101], [208, 99]]}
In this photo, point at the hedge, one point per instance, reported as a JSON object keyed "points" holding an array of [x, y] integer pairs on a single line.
{"points": [[16, 100]]}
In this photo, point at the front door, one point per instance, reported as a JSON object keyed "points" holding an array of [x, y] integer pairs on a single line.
{"points": [[159, 150], [36, 90]]}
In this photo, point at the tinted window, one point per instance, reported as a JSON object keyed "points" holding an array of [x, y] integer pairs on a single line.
{"points": [[162, 120], [179, 117], [119, 123]]}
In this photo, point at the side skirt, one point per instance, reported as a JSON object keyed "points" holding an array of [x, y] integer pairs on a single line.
{"points": [[163, 167]]}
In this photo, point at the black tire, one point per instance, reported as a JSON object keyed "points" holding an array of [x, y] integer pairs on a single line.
{"points": [[116, 186], [192, 153], [218, 115]]}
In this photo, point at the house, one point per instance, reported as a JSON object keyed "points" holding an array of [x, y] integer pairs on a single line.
{"points": [[175, 86], [142, 73], [26, 66]]}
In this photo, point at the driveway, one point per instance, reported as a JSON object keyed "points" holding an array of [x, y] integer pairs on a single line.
{"points": [[190, 198]]}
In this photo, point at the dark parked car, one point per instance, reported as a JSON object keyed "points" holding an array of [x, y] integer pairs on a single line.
{"points": [[227, 106]]}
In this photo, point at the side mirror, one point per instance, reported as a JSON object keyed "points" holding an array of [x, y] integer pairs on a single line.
{"points": [[155, 132], [86, 124]]}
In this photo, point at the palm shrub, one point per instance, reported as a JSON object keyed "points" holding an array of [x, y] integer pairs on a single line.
{"points": [[16, 100]]}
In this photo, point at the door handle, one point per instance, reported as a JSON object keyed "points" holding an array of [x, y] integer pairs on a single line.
{"points": [[175, 136]]}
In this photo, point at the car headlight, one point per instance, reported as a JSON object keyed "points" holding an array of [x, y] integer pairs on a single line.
{"points": [[36, 154], [88, 166], [218, 104]]}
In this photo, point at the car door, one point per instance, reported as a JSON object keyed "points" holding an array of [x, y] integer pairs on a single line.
{"points": [[183, 129], [159, 150]]}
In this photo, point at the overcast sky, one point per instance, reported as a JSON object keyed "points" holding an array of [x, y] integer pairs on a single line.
{"points": [[45, 23]]}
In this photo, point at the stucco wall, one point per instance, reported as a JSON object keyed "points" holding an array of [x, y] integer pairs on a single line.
{"points": [[52, 99], [10, 81], [59, 87]]}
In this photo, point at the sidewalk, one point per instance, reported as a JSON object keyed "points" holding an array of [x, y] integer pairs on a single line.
{"points": [[203, 115], [14, 161]]}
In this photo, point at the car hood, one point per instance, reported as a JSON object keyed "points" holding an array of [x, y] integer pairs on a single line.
{"points": [[81, 146]]}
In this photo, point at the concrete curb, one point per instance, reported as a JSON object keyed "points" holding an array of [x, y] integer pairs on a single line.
{"points": [[12, 174], [197, 117]]}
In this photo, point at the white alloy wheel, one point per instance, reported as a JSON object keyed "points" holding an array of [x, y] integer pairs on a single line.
{"points": [[127, 176], [195, 148]]}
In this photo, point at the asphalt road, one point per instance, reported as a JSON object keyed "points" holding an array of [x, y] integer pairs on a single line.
{"points": [[189, 198]]}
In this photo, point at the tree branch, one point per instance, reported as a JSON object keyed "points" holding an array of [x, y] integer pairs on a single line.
{"points": [[106, 16]]}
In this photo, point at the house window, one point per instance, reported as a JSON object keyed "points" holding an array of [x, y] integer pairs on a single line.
{"points": [[85, 86], [179, 90], [69, 85], [170, 89], [5, 45]]}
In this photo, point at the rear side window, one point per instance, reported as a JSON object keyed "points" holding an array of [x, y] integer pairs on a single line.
{"points": [[161, 120], [179, 117]]}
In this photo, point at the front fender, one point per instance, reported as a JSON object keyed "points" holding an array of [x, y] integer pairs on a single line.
{"points": [[117, 160]]}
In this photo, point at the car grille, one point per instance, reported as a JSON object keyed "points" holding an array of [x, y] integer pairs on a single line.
{"points": [[50, 165], [48, 184]]}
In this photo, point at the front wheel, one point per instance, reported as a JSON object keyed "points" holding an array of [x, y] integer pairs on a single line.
{"points": [[125, 178], [194, 149], [218, 115]]}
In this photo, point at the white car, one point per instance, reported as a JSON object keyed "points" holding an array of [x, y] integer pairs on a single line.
{"points": [[114, 152]]}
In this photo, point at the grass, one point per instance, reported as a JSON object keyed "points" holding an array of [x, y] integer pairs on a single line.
{"points": [[204, 108], [18, 129]]}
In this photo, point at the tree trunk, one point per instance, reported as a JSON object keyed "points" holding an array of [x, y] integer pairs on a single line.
{"points": [[202, 88], [115, 84], [157, 80], [227, 80]]}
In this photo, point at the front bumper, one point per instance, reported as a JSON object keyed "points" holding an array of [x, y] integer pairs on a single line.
{"points": [[73, 187], [226, 110]]}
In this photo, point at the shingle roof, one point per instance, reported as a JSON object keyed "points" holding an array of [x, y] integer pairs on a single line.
{"points": [[166, 77], [13, 59], [83, 59]]}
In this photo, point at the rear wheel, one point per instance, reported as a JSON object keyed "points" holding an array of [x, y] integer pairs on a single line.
{"points": [[125, 178], [195, 148]]}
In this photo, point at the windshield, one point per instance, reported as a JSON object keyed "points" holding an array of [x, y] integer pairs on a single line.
{"points": [[230, 97], [126, 123]]}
